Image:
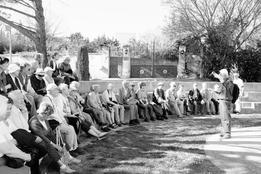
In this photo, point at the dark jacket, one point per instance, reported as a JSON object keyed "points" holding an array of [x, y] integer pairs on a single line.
{"points": [[3, 91], [38, 129], [10, 81], [54, 66], [39, 86], [198, 98], [157, 94]]}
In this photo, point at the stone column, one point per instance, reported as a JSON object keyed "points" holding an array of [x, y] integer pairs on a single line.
{"points": [[181, 62], [126, 62]]}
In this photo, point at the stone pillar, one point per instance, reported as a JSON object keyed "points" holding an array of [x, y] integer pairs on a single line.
{"points": [[181, 62], [126, 62]]}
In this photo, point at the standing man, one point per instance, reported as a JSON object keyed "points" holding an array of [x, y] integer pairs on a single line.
{"points": [[225, 102], [239, 82]]}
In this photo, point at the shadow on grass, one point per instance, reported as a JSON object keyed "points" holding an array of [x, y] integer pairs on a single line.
{"points": [[153, 147]]}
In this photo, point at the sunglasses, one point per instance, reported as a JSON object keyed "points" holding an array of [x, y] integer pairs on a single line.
{"points": [[39, 75]]}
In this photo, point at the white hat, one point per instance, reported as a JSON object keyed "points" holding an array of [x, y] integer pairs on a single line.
{"points": [[46, 69], [51, 86], [3, 106], [73, 87], [13, 67], [63, 86], [223, 73], [39, 71]]}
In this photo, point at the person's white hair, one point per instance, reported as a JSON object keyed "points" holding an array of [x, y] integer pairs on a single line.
{"points": [[75, 84], [13, 68], [42, 108], [223, 73], [63, 86], [16, 95]]}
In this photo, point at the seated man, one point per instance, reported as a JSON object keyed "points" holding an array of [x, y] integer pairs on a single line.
{"points": [[195, 99], [38, 83], [208, 105], [144, 107], [214, 98], [95, 103], [174, 105], [182, 99], [159, 99], [55, 99], [111, 100], [128, 100]]}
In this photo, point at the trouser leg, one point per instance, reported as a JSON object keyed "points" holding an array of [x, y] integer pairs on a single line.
{"points": [[70, 137], [224, 108]]}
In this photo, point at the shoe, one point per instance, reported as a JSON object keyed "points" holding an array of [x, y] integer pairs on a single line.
{"points": [[74, 160], [226, 136], [132, 123], [160, 118], [165, 117], [66, 169], [136, 121], [106, 129], [146, 120], [119, 124], [152, 119], [78, 151], [102, 134], [124, 123]]}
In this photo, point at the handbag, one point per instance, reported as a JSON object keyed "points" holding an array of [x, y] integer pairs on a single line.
{"points": [[65, 156]]}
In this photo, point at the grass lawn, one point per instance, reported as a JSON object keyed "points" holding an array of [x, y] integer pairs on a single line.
{"points": [[172, 146]]}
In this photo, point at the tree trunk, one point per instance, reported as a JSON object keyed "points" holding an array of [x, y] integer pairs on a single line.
{"points": [[83, 64], [40, 42]]}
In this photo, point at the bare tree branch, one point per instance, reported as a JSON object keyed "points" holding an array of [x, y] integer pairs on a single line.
{"points": [[17, 11], [30, 34]]}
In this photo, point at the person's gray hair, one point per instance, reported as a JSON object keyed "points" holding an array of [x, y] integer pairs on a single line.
{"points": [[44, 106], [223, 73]]}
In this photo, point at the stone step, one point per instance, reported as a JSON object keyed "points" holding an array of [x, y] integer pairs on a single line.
{"points": [[250, 107], [252, 96]]}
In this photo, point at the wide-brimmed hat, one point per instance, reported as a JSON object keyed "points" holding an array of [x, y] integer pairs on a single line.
{"points": [[46, 69], [13, 67], [39, 71]]}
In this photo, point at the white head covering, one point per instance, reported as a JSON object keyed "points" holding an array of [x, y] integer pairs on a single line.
{"points": [[39, 71], [46, 69], [3, 106], [223, 73], [13, 67]]}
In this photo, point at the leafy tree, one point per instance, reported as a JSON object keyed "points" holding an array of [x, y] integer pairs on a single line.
{"points": [[30, 9]]}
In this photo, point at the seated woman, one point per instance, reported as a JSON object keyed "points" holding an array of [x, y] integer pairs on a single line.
{"points": [[67, 72], [48, 79], [144, 107], [38, 83], [110, 99], [174, 105], [40, 127], [128, 100], [56, 100], [75, 111], [182, 99], [95, 102], [159, 98]]}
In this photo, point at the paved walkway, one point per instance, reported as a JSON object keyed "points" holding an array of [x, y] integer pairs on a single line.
{"points": [[239, 155]]}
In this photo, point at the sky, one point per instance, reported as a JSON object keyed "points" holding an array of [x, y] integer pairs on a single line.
{"points": [[120, 19]]}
